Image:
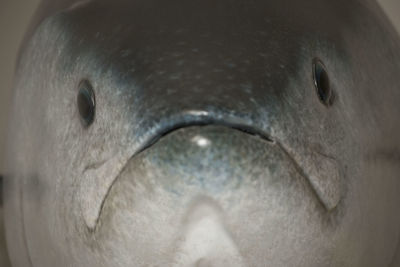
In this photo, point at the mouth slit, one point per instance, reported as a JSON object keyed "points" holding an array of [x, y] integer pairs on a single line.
{"points": [[250, 130], [238, 127]]}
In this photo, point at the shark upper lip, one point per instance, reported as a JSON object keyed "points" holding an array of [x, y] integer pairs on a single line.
{"points": [[240, 127], [243, 127]]}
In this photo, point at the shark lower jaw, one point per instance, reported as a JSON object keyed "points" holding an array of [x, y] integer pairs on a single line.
{"points": [[199, 190], [213, 161]]}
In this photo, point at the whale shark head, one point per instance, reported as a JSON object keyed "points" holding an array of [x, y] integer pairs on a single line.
{"points": [[206, 133]]}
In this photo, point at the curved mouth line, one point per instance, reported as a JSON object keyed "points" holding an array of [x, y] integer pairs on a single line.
{"points": [[235, 126]]}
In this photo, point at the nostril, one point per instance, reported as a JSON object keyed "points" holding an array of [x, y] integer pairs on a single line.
{"points": [[322, 83]]}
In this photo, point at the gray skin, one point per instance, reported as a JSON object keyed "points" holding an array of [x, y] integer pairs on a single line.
{"points": [[210, 146]]}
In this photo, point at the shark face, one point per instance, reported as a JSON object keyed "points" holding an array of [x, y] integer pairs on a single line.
{"points": [[203, 133]]}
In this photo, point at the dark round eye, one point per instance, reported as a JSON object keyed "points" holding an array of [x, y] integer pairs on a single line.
{"points": [[321, 82], [86, 103]]}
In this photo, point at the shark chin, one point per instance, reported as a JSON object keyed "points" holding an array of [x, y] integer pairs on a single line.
{"points": [[190, 194]]}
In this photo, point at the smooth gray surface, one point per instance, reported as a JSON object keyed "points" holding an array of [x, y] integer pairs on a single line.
{"points": [[392, 8], [14, 18]]}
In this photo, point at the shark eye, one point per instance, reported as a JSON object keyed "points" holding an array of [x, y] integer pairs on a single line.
{"points": [[86, 103], [321, 83]]}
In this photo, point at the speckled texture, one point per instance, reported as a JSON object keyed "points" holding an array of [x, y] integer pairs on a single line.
{"points": [[329, 178], [241, 179]]}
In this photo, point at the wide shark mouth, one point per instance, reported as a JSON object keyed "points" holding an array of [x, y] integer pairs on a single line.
{"points": [[327, 199], [239, 127]]}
